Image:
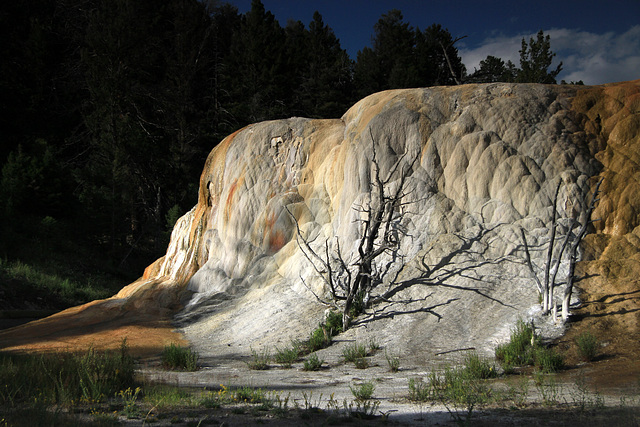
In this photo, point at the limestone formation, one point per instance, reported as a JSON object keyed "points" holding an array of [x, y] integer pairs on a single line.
{"points": [[490, 158]]}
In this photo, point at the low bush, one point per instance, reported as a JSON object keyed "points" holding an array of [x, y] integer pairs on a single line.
{"points": [[419, 391], [479, 368], [312, 363], [364, 391], [287, 356], [320, 338], [333, 322], [524, 349], [393, 362], [179, 358], [259, 360], [353, 352], [548, 360], [587, 346], [518, 351]]}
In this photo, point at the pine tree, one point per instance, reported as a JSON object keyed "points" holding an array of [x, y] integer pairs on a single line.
{"points": [[535, 59]]}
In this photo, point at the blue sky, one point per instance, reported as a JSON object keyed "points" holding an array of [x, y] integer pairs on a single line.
{"points": [[597, 41]]}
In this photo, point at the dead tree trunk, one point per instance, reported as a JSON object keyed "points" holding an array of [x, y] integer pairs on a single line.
{"points": [[547, 287], [573, 253]]}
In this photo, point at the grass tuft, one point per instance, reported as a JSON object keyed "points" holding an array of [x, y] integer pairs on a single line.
{"points": [[312, 363], [176, 357], [259, 360]]}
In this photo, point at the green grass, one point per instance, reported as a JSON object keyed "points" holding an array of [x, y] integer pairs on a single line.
{"points": [[55, 287], [392, 361], [525, 348], [65, 379], [175, 357], [320, 338], [479, 368]]}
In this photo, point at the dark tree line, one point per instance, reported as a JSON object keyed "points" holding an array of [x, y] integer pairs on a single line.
{"points": [[108, 108]]}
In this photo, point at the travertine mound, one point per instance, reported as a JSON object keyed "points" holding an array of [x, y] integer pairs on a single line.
{"points": [[489, 160]]}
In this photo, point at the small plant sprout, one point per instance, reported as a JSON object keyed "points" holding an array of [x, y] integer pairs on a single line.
{"points": [[393, 362]]}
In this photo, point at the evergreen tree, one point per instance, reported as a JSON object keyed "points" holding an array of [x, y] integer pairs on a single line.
{"points": [[434, 69], [535, 59], [326, 79], [258, 67], [390, 63], [493, 69]]}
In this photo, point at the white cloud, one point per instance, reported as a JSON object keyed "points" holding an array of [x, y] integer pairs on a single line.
{"points": [[590, 57]]}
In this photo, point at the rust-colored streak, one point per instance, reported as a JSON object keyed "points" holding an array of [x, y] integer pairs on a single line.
{"points": [[277, 240], [228, 207]]}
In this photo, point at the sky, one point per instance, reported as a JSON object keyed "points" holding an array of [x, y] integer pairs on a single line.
{"points": [[597, 41]]}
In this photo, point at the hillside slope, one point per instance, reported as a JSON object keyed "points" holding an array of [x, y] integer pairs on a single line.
{"points": [[490, 158]]}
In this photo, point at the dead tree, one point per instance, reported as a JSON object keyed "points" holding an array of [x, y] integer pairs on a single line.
{"points": [[547, 287], [573, 253], [351, 280]]}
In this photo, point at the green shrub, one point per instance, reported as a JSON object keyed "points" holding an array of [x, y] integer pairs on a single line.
{"points": [[361, 363], [547, 360], [250, 395], [353, 352], [364, 391], [286, 357], [259, 360], [333, 322], [587, 346], [479, 368], [455, 385], [525, 348], [320, 338], [312, 363], [518, 351], [179, 358]]}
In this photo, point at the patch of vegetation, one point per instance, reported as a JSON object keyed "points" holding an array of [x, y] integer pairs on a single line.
{"points": [[479, 368], [259, 359], [548, 360], [354, 351], [250, 395], [179, 358], [312, 363], [49, 286], [393, 362], [525, 348], [320, 338], [287, 356], [364, 391], [65, 379], [587, 346]]}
